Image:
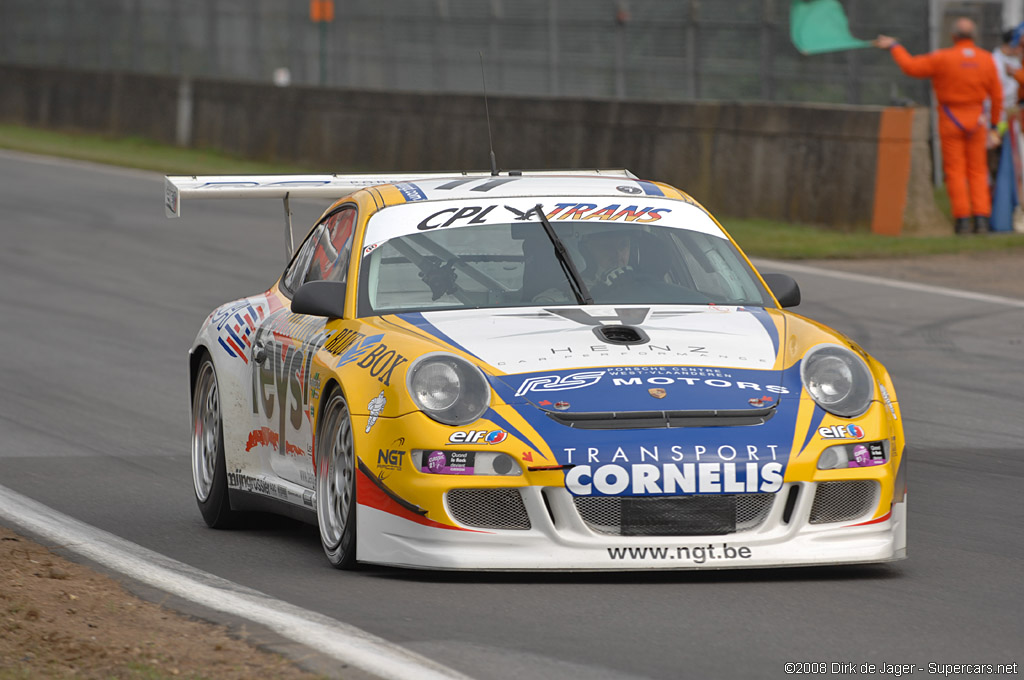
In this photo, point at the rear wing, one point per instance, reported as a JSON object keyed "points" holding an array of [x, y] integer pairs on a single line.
{"points": [[179, 187]]}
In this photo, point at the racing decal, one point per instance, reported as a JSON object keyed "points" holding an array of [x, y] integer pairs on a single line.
{"points": [[557, 383], [536, 339], [267, 437], [449, 462], [868, 455], [698, 554], [650, 188], [614, 212], [481, 185], [410, 192], [375, 408], [850, 431], [350, 345], [281, 403], [235, 324], [368, 352], [390, 459], [675, 469], [470, 214], [478, 437], [659, 460], [888, 401], [477, 207], [244, 482], [624, 388]]}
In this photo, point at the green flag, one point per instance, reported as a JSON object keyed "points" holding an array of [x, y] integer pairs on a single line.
{"points": [[818, 26]]}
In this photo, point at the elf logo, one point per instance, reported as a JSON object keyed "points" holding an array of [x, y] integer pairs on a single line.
{"points": [[841, 432], [478, 437]]}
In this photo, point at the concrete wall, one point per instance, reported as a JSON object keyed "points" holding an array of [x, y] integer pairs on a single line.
{"points": [[804, 163]]}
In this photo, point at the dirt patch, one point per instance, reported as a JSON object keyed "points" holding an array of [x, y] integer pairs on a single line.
{"points": [[59, 619]]}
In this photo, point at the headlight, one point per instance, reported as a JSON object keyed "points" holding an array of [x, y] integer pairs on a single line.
{"points": [[448, 388], [837, 380]]}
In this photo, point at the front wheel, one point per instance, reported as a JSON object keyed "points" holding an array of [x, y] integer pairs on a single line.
{"points": [[209, 471], [336, 483]]}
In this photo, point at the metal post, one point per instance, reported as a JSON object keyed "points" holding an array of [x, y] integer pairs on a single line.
{"points": [[183, 136], [288, 241]]}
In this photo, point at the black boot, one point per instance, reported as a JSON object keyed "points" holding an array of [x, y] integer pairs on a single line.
{"points": [[981, 225], [963, 225]]}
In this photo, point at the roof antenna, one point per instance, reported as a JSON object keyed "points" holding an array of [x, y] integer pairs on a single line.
{"points": [[487, 113]]}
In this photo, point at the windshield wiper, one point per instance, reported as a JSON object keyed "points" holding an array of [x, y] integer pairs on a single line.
{"points": [[579, 288]]}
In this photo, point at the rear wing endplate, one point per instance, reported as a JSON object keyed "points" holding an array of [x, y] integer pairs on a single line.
{"points": [[180, 187]]}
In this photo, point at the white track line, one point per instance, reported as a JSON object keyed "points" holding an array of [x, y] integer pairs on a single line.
{"points": [[769, 265], [330, 637]]}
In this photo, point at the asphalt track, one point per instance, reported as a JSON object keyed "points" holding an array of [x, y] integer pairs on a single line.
{"points": [[101, 295]]}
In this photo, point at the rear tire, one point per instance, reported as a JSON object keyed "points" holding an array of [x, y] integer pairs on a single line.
{"points": [[336, 482], [209, 470]]}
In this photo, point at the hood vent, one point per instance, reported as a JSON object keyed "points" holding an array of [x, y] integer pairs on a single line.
{"points": [[621, 335]]}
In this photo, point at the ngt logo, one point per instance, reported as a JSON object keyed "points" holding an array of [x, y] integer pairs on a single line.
{"points": [[555, 383], [841, 432], [390, 459], [478, 437]]}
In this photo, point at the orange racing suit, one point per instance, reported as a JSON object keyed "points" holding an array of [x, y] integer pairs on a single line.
{"points": [[963, 77]]}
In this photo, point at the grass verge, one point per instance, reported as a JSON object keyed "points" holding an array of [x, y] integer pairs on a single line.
{"points": [[759, 238]]}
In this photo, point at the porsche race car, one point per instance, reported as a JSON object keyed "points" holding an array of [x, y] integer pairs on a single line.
{"points": [[538, 371]]}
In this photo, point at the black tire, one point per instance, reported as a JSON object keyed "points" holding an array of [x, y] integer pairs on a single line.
{"points": [[336, 468], [209, 471]]}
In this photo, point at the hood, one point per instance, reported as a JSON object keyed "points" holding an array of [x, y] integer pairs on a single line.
{"points": [[565, 359]]}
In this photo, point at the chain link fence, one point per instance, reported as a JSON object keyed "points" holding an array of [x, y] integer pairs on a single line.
{"points": [[629, 49]]}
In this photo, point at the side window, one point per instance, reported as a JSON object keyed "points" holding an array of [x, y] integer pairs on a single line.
{"points": [[295, 275], [331, 254]]}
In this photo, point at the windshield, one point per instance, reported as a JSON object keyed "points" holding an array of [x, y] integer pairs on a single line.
{"points": [[513, 263]]}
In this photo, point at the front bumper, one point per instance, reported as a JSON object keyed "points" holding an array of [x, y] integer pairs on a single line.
{"points": [[559, 539]]}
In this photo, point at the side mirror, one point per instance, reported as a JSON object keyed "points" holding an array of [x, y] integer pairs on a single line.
{"points": [[784, 288], [320, 298]]}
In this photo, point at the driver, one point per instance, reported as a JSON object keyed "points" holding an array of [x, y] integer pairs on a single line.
{"points": [[607, 256]]}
